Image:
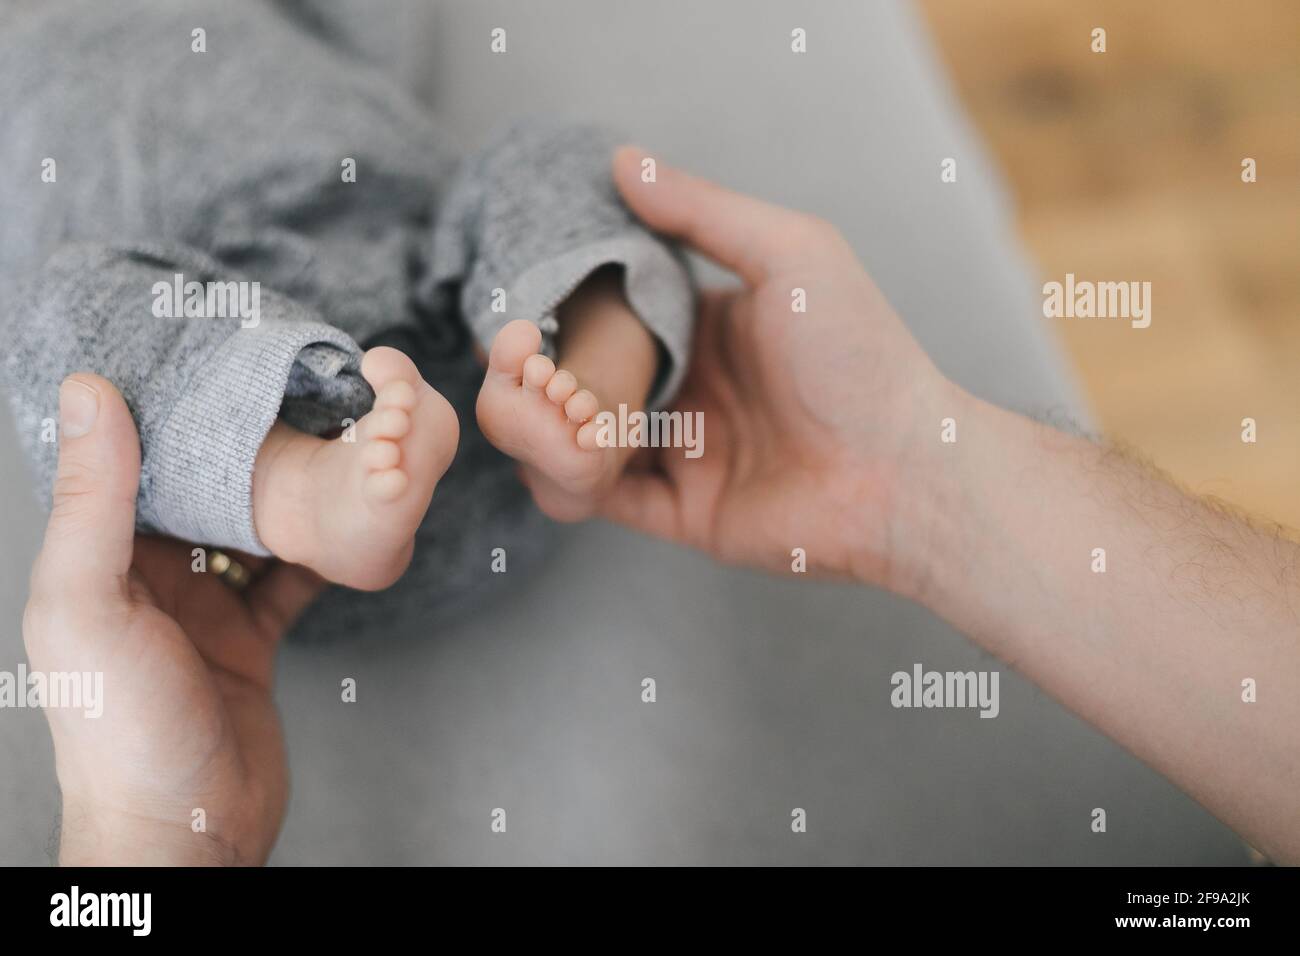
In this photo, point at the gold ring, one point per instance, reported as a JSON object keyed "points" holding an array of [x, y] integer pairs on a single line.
{"points": [[229, 570]]}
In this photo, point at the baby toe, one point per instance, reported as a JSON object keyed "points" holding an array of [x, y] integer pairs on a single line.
{"points": [[581, 406], [538, 370], [587, 436], [399, 394], [382, 366], [561, 386], [512, 347], [385, 485], [390, 423]]}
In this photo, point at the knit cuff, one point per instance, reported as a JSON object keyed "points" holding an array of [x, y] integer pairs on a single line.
{"points": [[197, 476], [656, 283]]}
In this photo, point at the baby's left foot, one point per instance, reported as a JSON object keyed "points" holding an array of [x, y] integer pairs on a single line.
{"points": [[539, 416], [349, 510]]}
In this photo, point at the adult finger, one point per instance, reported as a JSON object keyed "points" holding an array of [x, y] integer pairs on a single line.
{"points": [[280, 595], [748, 236], [646, 501], [91, 531]]}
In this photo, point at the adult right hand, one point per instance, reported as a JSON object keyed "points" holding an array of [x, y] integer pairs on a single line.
{"points": [[187, 722], [813, 419]]}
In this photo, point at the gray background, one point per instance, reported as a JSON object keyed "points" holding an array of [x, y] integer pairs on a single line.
{"points": [[772, 694]]}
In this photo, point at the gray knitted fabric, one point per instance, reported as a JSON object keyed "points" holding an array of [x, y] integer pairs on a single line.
{"points": [[227, 165]]}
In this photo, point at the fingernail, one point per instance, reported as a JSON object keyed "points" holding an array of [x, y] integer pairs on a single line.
{"points": [[78, 408]]}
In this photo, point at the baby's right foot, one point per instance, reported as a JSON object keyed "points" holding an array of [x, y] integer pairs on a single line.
{"points": [[349, 509]]}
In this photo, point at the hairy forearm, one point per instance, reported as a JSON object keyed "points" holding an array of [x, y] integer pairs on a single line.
{"points": [[1156, 649]]}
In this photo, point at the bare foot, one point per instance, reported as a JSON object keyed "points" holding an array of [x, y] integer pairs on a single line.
{"points": [[348, 507], [540, 416]]}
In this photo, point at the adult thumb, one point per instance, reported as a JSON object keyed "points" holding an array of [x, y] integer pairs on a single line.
{"points": [[91, 532], [750, 237]]}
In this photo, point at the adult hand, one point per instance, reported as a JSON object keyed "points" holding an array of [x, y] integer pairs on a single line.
{"points": [[1152, 614], [187, 721], [813, 419]]}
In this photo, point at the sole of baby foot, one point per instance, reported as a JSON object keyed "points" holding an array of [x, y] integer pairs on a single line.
{"points": [[541, 416], [348, 507]]}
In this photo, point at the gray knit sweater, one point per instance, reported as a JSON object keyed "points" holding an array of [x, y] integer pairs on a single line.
{"points": [[130, 158]]}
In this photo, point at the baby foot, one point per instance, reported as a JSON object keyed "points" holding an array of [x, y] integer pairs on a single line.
{"points": [[539, 416], [348, 507]]}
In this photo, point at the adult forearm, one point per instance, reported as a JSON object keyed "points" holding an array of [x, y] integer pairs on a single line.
{"points": [[1169, 624], [88, 837]]}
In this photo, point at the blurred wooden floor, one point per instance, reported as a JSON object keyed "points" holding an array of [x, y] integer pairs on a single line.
{"points": [[1127, 166]]}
